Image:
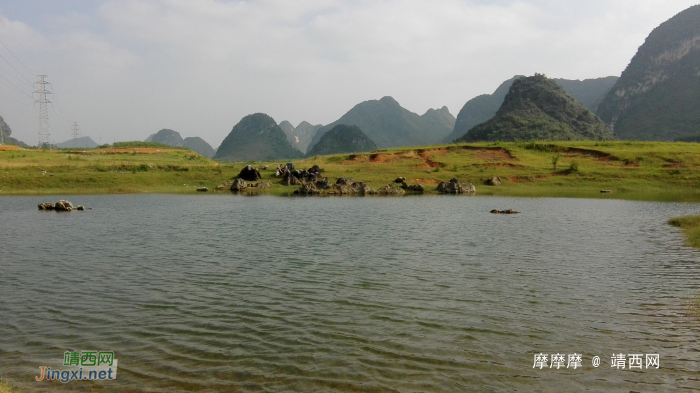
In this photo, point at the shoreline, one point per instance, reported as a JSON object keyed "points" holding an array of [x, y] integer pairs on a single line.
{"points": [[650, 171]]}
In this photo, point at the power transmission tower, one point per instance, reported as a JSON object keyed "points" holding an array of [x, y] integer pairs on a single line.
{"points": [[75, 131], [44, 127]]}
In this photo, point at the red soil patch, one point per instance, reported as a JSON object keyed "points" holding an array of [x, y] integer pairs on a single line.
{"points": [[425, 181], [8, 147], [501, 164]]}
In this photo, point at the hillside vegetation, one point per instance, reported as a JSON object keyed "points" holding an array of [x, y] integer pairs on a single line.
{"points": [[632, 170], [343, 139], [537, 108]]}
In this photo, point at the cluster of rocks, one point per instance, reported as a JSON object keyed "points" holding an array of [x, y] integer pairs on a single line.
{"points": [[62, 205], [241, 185], [311, 182], [413, 187], [509, 211], [455, 187]]}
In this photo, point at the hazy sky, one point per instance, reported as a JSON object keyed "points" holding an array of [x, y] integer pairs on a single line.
{"points": [[125, 69]]}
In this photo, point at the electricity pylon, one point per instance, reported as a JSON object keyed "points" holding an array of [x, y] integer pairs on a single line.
{"points": [[42, 100], [75, 131]]}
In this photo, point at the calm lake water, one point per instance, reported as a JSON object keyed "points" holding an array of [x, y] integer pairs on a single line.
{"points": [[429, 293]]}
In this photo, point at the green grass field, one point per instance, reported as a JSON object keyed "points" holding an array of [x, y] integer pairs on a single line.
{"points": [[631, 170]]}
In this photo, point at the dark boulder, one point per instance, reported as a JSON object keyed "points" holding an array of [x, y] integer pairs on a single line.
{"points": [[400, 180], [414, 188], [494, 181], [323, 184], [202, 189], [360, 188], [315, 170], [249, 173]]}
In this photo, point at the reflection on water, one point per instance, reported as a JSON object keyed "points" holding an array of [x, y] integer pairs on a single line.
{"points": [[433, 294]]}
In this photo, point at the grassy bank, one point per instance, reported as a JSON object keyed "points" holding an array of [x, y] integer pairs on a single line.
{"points": [[7, 388], [691, 228], [631, 170]]}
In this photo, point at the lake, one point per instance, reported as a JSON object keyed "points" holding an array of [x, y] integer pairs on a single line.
{"points": [[342, 294]]}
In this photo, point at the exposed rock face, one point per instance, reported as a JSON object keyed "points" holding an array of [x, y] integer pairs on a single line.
{"points": [[307, 189], [494, 181], [360, 188], [264, 184], [344, 180], [658, 95], [291, 180], [323, 184], [390, 190], [256, 137], [537, 108], [62, 205], [300, 136], [249, 173], [342, 139], [239, 185], [226, 184], [413, 187], [455, 187]]}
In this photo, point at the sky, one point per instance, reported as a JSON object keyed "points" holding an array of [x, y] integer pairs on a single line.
{"points": [[124, 69]]}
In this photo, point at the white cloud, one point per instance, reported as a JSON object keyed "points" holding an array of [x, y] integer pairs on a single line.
{"points": [[133, 67]]}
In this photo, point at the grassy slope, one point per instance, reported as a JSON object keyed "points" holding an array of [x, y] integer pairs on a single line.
{"points": [[691, 228], [633, 170]]}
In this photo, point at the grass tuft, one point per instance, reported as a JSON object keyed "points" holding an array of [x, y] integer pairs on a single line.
{"points": [[691, 228]]}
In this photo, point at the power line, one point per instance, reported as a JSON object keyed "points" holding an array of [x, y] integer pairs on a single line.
{"points": [[13, 85], [13, 67], [16, 58]]}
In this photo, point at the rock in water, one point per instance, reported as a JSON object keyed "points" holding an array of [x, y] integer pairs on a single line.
{"points": [[249, 173], [307, 189]]}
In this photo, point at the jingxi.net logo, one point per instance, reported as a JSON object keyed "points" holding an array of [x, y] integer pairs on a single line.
{"points": [[82, 366]]}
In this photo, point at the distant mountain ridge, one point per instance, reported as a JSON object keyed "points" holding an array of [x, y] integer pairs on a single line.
{"points": [[590, 92], [537, 108], [84, 141], [169, 137], [658, 95], [342, 139], [300, 136], [256, 137], [388, 124]]}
